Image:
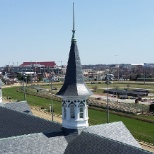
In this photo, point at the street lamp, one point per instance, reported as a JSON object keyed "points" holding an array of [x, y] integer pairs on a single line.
{"points": [[59, 72], [118, 71], [107, 82], [144, 68], [51, 105], [24, 89], [60, 63], [31, 73]]}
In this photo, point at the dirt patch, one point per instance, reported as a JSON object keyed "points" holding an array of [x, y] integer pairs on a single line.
{"points": [[45, 115], [147, 147]]}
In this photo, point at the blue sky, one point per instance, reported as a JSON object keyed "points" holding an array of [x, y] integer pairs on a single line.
{"points": [[107, 31]]}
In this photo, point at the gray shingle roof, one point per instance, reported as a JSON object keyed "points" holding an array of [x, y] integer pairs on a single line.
{"points": [[33, 144], [14, 123], [116, 131], [27, 134], [74, 84], [21, 106], [87, 143]]}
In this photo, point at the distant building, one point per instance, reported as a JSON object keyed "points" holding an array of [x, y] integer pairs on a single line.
{"points": [[38, 67], [45, 64]]}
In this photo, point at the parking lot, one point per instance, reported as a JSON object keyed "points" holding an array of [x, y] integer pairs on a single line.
{"points": [[112, 98]]}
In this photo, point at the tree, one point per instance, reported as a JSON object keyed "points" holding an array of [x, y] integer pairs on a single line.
{"points": [[138, 76], [128, 86], [19, 76], [95, 88]]}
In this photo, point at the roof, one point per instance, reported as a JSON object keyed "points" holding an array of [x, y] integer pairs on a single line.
{"points": [[21, 106], [46, 64], [88, 143], [13, 123], [37, 143], [33, 144], [27, 134], [116, 131], [126, 92], [84, 143]]}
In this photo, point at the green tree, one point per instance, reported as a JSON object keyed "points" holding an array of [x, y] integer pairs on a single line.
{"points": [[138, 76]]}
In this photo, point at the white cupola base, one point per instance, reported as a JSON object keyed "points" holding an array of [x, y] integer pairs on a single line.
{"points": [[0, 95], [74, 113]]}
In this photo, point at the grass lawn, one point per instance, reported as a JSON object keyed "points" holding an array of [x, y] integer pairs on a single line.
{"points": [[116, 84], [143, 131], [32, 100]]}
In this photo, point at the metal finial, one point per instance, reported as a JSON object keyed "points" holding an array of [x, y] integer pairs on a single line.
{"points": [[73, 19], [73, 36]]}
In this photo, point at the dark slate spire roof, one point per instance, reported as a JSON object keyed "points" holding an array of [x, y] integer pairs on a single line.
{"points": [[74, 84]]}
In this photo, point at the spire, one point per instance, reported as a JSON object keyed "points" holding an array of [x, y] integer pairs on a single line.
{"points": [[73, 31], [74, 84], [74, 91]]}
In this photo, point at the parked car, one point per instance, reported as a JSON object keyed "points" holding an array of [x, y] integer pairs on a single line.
{"points": [[132, 97], [54, 88], [123, 96]]}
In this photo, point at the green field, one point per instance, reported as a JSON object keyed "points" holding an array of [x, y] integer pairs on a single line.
{"points": [[143, 131], [116, 84]]}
